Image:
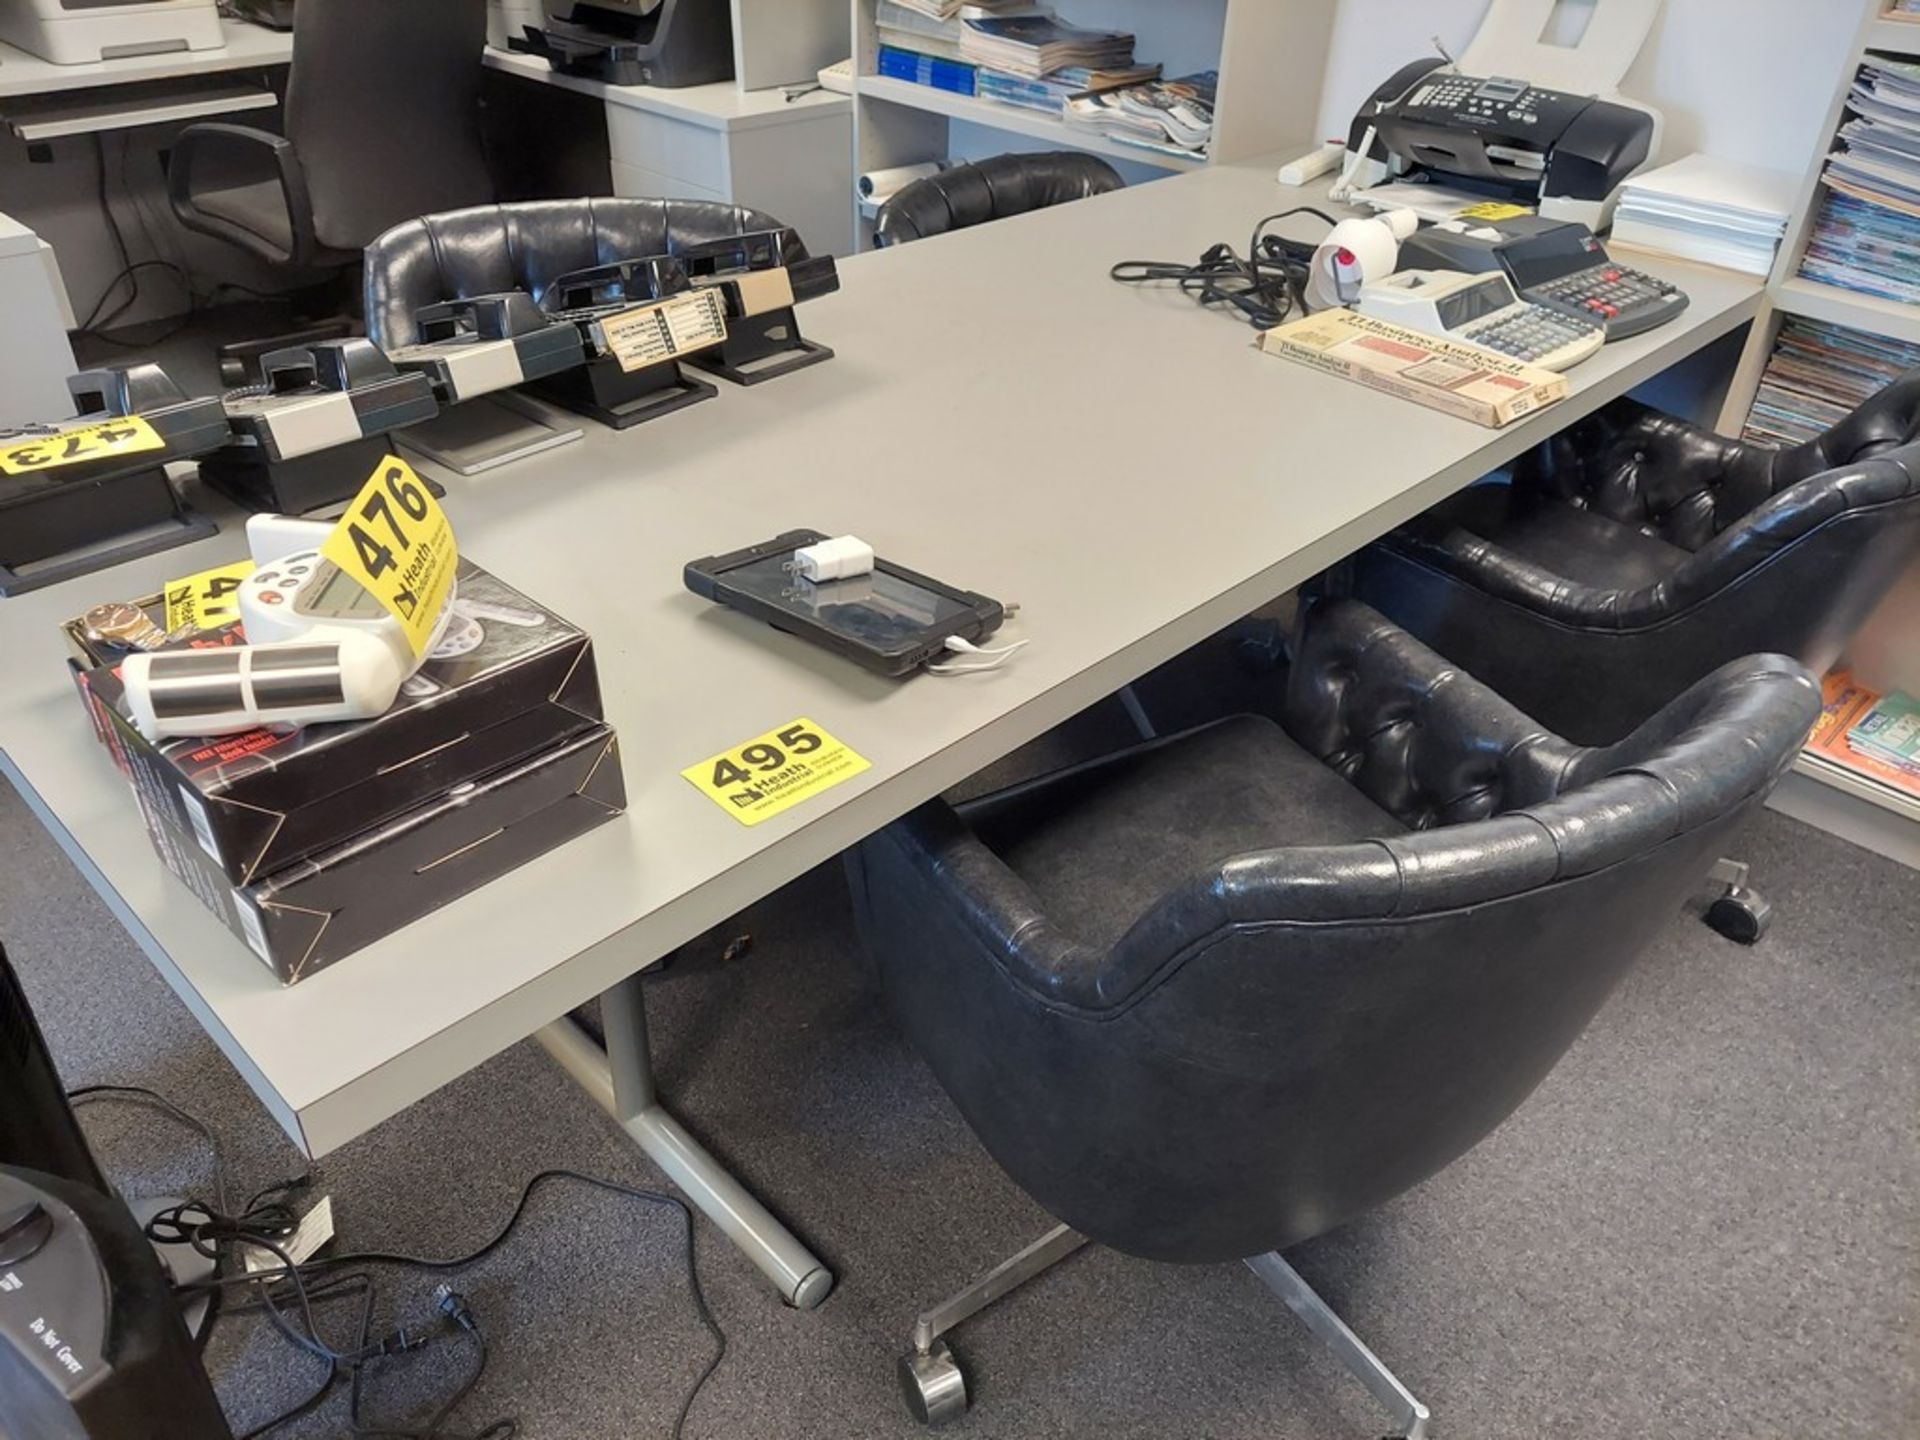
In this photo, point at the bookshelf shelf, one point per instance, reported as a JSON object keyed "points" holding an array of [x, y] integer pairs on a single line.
{"points": [[1895, 37], [1813, 300], [1857, 783], [1032, 123]]}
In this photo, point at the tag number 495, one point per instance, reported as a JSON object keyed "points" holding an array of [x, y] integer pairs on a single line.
{"points": [[378, 558], [763, 757]]}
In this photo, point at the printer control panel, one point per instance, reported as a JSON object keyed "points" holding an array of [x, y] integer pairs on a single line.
{"points": [[1492, 106]]}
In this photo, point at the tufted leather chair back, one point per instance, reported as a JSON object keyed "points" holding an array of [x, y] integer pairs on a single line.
{"points": [[1668, 478], [1293, 1036], [530, 244], [991, 189]]}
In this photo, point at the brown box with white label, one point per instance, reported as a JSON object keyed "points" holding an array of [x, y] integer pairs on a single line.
{"points": [[508, 679]]}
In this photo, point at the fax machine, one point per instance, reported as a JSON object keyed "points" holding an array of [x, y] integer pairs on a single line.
{"points": [[1566, 154], [669, 43], [78, 32]]}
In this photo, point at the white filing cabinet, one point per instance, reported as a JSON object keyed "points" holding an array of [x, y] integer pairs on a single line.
{"points": [[36, 360]]}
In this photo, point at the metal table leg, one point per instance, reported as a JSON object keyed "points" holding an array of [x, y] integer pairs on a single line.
{"points": [[620, 1078]]}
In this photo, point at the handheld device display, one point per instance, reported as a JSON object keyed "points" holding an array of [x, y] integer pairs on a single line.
{"points": [[890, 620], [79, 495], [485, 343], [1552, 262], [1568, 154], [611, 392], [320, 647], [1482, 310], [763, 336], [317, 424]]}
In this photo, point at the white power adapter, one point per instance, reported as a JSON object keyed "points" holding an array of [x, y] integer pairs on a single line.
{"points": [[841, 558]]}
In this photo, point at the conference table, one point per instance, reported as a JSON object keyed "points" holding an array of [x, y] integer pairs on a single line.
{"points": [[1128, 467]]}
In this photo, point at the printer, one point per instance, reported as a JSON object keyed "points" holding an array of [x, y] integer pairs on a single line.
{"points": [[669, 43], [78, 32], [1564, 153]]}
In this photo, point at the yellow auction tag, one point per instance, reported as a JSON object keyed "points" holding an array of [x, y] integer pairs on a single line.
{"points": [[83, 442], [208, 600], [774, 771], [666, 329], [1491, 210], [396, 540]]}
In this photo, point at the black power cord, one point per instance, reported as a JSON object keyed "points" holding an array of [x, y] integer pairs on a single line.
{"points": [[268, 1220], [1263, 287]]}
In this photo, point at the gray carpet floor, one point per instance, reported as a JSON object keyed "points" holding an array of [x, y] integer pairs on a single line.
{"points": [[1704, 1224]]}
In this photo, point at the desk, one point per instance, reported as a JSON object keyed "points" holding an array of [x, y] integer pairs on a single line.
{"points": [[1001, 415]]}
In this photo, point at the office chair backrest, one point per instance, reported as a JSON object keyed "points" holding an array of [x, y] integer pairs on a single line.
{"points": [[529, 244], [991, 189], [383, 109], [1294, 1036]]}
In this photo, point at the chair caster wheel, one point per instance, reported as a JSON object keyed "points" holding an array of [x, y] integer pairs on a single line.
{"points": [[1741, 915], [932, 1384]]}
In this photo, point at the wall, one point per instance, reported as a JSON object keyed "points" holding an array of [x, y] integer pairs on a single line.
{"points": [[1749, 80]]}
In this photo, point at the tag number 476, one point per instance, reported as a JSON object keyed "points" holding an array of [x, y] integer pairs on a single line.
{"points": [[764, 757], [378, 558]]}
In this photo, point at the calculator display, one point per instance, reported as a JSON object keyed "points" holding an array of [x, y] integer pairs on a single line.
{"points": [[1474, 302]]}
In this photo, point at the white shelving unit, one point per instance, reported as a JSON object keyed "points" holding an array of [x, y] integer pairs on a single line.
{"points": [[1271, 55], [1824, 791]]}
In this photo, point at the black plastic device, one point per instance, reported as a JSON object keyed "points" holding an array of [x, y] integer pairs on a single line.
{"points": [[602, 388], [482, 343], [763, 337], [1502, 137], [669, 43], [76, 517], [1557, 263], [892, 621]]}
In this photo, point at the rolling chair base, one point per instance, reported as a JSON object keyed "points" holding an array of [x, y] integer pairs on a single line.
{"points": [[1739, 913], [935, 1387]]}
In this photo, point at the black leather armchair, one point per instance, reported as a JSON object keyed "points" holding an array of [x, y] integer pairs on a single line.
{"points": [[530, 244], [1634, 553], [991, 189], [1218, 994]]}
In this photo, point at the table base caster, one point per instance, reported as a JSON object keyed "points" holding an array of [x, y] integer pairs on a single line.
{"points": [[931, 1382]]}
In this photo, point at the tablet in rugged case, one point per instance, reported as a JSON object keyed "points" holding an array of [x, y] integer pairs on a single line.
{"points": [[891, 621]]}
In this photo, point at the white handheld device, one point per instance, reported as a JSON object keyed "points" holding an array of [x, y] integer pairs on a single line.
{"points": [[320, 647], [1357, 251]]}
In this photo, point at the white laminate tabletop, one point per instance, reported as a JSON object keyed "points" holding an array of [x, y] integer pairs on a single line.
{"points": [[1001, 415]]}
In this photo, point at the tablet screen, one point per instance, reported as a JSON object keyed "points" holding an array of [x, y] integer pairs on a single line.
{"points": [[878, 610]]}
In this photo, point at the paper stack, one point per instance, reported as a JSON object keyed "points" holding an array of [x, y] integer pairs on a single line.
{"points": [[1715, 211], [1174, 116], [1035, 45], [1867, 236], [1818, 375]]}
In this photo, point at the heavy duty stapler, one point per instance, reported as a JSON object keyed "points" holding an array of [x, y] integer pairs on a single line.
{"points": [[669, 43], [1565, 154], [485, 343], [80, 495], [761, 289], [614, 392], [316, 427]]}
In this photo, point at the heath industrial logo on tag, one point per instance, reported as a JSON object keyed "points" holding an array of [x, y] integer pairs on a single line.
{"points": [[208, 600], [82, 443], [775, 771], [397, 541]]}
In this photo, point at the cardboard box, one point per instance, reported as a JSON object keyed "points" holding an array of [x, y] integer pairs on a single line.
{"points": [[342, 899], [508, 680], [1464, 380]]}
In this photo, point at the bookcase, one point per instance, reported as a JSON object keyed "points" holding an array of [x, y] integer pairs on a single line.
{"points": [[1824, 791], [1271, 55]]}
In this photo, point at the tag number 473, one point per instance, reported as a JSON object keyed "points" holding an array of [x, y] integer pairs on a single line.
{"points": [[412, 501], [763, 757]]}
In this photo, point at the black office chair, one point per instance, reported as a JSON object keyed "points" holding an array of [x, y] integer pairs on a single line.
{"points": [[529, 244], [382, 123], [1218, 994], [991, 189]]}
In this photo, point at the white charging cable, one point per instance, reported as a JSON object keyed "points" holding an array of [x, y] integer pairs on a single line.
{"points": [[991, 657]]}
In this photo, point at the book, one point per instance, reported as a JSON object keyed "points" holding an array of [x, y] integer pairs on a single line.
{"points": [[1866, 236], [1818, 374], [1464, 380], [1844, 703], [1035, 45], [1890, 733], [1169, 115], [928, 70], [1050, 93]]}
